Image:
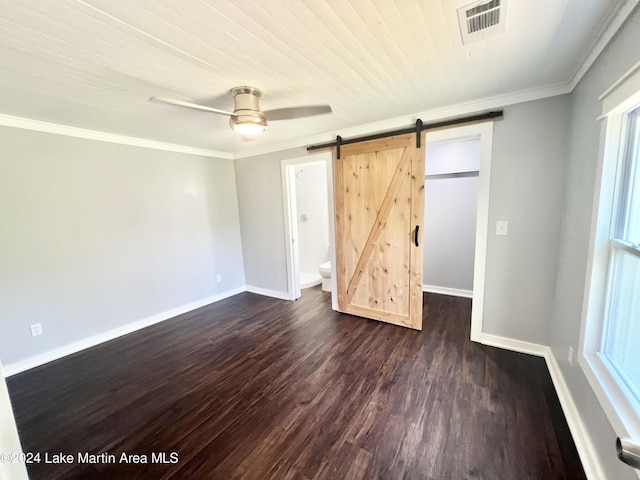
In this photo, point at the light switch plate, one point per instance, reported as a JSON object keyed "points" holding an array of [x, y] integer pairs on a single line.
{"points": [[36, 329], [502, 227]]}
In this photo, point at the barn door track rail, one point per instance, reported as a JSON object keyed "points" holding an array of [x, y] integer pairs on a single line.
{"points": [[417, 128]]}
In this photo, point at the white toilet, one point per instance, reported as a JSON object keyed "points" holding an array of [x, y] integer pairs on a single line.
{"points": [[325, 273]]}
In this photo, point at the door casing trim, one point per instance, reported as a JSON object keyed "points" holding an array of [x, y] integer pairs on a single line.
{"points": [[484, 131]]}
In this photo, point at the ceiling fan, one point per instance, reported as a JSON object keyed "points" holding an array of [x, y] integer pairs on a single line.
{"points": [[247, 118]]}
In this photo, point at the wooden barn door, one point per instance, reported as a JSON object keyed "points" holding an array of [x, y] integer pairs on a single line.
{"points": [[379, 192]]}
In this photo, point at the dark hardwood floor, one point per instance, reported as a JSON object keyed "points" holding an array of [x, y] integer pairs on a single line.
{"points": [[257, 388]]}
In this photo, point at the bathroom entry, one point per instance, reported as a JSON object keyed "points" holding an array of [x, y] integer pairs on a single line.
{"points": [[306, 207]]}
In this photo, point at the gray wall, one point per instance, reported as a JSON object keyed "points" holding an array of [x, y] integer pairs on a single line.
{"points": [[450, 211], [529, 150], [527, 175], [262, 218], [95, 235], [620, 55]]}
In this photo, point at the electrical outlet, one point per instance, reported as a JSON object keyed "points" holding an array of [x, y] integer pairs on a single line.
{"points": [[219, 278], [36, 329], [570, 356]]}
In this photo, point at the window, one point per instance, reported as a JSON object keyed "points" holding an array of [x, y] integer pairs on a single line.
{"points": [[610, 336], [620, 348]]}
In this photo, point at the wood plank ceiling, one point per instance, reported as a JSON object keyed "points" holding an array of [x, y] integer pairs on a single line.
{"points": [[94, 63]]}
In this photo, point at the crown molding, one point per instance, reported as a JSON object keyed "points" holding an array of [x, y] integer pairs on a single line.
{"points": [[58, 129], [602, 40], [427, 115], [389, 124]]}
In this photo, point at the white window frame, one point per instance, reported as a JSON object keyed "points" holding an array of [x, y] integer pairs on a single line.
{"points": [[617, 401]]}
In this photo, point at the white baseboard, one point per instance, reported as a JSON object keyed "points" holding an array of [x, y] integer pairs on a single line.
{"points": [[514, 345], [74, 347], [455, 292], [586, 450], [585, 447], [268, 293]]}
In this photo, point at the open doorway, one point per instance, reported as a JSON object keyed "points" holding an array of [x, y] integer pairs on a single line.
{"points": [[451, 199], [481, 131], [484, 133], [308, 210]]}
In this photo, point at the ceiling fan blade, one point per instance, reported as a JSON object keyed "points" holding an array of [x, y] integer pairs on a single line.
{"points": [[296, 112], [189, 105]]}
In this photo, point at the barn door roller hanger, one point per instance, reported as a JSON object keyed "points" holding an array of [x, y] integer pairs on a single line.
{"points": [[417, 128]]}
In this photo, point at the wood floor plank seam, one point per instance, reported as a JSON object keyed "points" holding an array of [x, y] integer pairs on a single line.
{"points": [[254, 388]]}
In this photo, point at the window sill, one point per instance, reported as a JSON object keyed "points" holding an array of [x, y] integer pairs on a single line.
{"points": [[621, 412]]}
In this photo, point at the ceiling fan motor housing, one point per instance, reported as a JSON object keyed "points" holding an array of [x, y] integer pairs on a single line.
{"points": [[247, 119], [247, 107]]}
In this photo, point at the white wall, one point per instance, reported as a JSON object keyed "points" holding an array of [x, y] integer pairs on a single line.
{"points": [[94, 236], [452, 156], [311, 201], [450, 215], [619, 56]]}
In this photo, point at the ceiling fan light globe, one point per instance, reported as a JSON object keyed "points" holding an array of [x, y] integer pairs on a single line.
{"points": [[248, 128], [248, 122]]}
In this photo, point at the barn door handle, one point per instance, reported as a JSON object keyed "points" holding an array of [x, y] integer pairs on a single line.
{"points": [[416, 237]]}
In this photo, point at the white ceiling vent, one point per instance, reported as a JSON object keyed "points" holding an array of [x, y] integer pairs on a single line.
{"points": [[482, 19]]}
